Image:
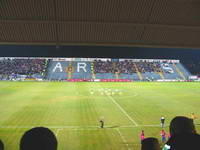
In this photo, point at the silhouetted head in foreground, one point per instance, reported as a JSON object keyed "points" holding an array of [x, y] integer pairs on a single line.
{"points": [[1, 145], [182, 125], [150, 144], [38, 138]]}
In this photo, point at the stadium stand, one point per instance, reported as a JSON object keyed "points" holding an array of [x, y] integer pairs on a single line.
{"points": [[55, 70], [83, 71], [142, 70], [192, 66], [169, 71], [93, 69], [11, 68], [62, 70], [185, 71]]}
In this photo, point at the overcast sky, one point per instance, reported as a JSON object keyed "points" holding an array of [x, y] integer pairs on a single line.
{"points": [[99, 51]]}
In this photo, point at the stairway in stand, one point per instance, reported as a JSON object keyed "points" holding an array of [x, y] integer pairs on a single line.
{"points": [[138, 73], [179, 72], [92, 71], [116, 75], [159, 71], [161, 75]]}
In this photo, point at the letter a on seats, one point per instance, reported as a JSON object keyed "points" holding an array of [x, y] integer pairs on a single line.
{"points": [[58, 66]]}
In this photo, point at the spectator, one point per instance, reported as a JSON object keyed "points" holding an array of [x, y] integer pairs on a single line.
{"points": [[1, 145], [180, 125], [150, 144], [38, 138], [193, 66], [183, 135], [22, 66], [125, 66], [183, 142]]}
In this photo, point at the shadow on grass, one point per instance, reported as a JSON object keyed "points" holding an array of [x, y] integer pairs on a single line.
{"points": [[116, 126]]}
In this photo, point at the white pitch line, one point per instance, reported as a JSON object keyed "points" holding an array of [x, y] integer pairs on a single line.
{"points": [[53, 127], [123, 139], [113, 100], [82, 127], [57, 132]]}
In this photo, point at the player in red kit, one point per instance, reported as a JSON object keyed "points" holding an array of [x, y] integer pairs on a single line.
{"points": [[163, 135], [142, 136]]}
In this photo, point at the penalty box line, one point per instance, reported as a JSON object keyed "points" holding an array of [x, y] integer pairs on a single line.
{"points": [[59, 128], [123, 139], [122, 110], [57, 131]]}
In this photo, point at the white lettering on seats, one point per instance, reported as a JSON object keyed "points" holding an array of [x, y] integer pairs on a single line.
{"points": [[58, 66], [81, 66]]}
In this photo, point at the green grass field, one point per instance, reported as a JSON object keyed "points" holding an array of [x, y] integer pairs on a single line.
{"points": [[73, 110]]}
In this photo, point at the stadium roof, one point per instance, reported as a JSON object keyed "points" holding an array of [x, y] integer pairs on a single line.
{"points": [[155, 23]]}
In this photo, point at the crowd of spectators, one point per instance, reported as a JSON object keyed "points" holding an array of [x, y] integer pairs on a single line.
{"points": [[193, 67], [183, 136], [148, 67], [126, 66], [103, 66], [10, 66]]}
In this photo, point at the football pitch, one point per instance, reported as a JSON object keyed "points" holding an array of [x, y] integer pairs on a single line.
{"points": [[73, 110]]}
